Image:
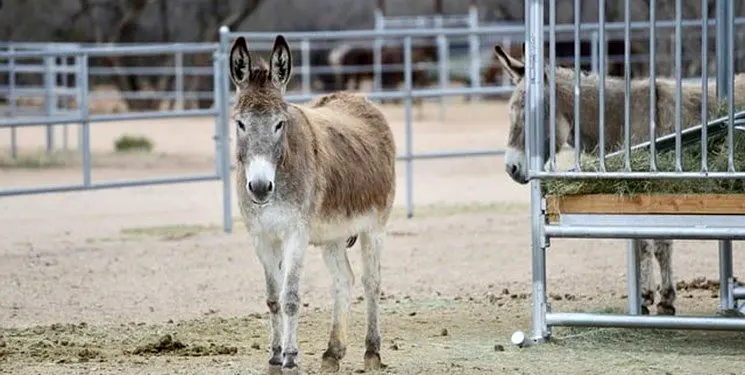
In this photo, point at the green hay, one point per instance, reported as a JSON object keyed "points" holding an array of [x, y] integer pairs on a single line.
{"points": [[640, 162]]}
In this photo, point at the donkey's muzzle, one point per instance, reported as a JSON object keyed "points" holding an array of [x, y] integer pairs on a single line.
{"points": [[260, 189], [513, 170]]}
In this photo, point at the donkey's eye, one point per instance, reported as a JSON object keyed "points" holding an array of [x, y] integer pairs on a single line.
{"points": [[279, 126], [241, 125]]}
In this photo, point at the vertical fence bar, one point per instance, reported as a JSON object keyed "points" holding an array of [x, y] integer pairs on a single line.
{"points": [[442, 56], [652, 85], [726, 300], [731, 87], [12, 102], [377, 51], [179, 81], [633, 277], [222, 88], [85, 145], [678, 84], [627, 87], [721, 48], [577, 83], [79, 100], [594, 45], [704, 85], [49, 97], [552, 82], [65, 85], [535, 76], [305, 61], [409, 133], [473, 43], [601, 95]]}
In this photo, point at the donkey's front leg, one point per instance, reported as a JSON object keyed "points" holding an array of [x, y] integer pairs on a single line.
{"points": [[663, 251], [335, 256], [646, 275], [270, 255], [295, 247]]}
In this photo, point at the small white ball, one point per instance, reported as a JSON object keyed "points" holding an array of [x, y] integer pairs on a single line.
{"points": [[518, 338]]}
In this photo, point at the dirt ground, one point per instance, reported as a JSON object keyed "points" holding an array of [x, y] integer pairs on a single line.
{"points": [[143, 280]]}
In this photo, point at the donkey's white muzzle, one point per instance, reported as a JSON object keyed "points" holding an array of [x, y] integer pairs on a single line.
{"points": [[260, 179], [514, 165]]}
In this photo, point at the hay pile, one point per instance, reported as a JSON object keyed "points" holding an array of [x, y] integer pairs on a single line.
{"points": [[640, 162]]}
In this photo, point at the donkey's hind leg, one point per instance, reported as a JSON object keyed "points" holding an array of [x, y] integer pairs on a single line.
{"points": [[335, 256], [372, 245], [646, 278], [663, 251]]}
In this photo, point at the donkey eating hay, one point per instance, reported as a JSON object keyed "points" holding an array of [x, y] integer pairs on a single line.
{"points": [[516, 162], [318, 174]]}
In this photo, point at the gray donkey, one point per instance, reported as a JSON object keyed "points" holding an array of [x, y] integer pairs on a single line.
{"points": [[516, 161], [319, 174]]}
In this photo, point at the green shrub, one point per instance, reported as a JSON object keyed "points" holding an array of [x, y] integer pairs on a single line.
{"points": [[129, 143]]}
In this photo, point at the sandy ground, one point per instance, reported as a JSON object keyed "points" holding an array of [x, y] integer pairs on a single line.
{"points": [[87, 278]]}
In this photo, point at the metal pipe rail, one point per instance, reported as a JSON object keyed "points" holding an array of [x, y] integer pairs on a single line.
{"points": [[658, 322]]}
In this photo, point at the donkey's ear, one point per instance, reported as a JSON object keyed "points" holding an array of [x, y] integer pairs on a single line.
{"points": [[281, 63], [514, 67], [240, 62]]}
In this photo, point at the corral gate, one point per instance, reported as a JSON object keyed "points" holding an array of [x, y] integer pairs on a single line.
{"points": [[548, 221]]}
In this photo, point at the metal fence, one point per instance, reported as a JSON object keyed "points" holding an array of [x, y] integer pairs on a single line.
{"points": [[543, 112], [81, 115], [73, 61]]}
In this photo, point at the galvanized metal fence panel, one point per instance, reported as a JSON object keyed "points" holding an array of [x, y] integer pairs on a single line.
{"points": [[541, 132]]}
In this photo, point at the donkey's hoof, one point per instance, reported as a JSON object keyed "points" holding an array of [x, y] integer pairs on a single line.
{"points": [[645, 310], [289, 364], [665, 309], [276, 358], [372, 361], [329, 364]]}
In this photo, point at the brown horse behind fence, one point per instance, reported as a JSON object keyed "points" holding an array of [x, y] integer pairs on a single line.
{"points": [[356, 57]]}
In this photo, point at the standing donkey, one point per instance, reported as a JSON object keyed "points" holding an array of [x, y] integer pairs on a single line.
{"points": [[516, 162], [318, 174]]}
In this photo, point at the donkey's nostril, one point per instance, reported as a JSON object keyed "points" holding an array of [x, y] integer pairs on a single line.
{"points": [[249, 186], [270, 186], [512, 169]]}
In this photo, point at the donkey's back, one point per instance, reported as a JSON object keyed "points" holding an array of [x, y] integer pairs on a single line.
{"points": [[355, 158]]}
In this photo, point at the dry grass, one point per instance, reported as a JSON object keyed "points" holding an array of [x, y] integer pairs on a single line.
{"points": [[640, 162]]}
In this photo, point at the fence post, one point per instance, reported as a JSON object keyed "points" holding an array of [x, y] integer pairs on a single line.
{"points": [[409, 132], [12, 102], [442, 59], [63, 76], [222, 88], [82, 81], [535, 73], [179, 81], [305, 60], [473, 42], [49, 97], [377, 52]]}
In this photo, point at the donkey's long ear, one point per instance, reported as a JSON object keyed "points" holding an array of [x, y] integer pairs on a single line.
{"points": [[281, 63], [240, 62], [514, 67]]}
